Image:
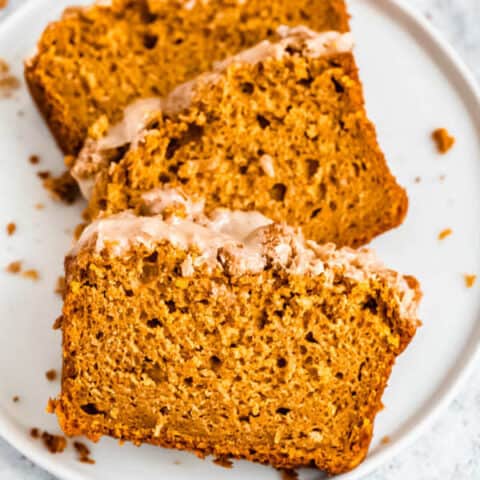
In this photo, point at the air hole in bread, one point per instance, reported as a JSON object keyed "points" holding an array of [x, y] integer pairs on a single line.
{"points": [[171, 306], [371, 305], [90, 409], [339, 88], [172, 147], [154, 323], [163, 178], [215, 361], [306, 82], [312, 167], [263, 122], [150, 41], [278, 192], [310, 338], [248, 88]]}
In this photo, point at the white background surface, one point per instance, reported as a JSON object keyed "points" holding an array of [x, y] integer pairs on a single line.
{"points": [[451, 450]]}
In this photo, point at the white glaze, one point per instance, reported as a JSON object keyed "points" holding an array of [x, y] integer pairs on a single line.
{"points": [[240, 242]]}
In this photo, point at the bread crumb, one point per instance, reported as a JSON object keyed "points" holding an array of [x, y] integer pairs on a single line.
{"points": [[60, 286], [224, 462], [469, 280], [43, 174], [51, 375], [288, 474], [445, 233], [442, 178], [63, 188], [32, 274], [418, 179], [34, 159], [54, 443], [81, 448], [15, 399], [51, 405], [83, 452], [88, 460], [34, 432], [11, 228], [8, 82], [57, 324], [39, 206], [385, 440], [443, 140], [14, 267]]}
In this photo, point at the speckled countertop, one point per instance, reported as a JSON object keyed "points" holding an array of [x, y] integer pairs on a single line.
{"points": [[451, 449]]}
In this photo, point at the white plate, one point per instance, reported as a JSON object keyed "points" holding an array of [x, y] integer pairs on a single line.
{"points": [[413, 84]]}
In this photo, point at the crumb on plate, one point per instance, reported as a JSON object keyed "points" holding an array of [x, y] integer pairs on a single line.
{"points": [[15, 399], [43, 174], [57, 324], [60, 286], [63, 188], [51, 404], [34, 432], [11, 228], [14, 267], [31, 274], [34, 159], [469, 280], [83, 452], [418, 179], [51, 375], [39, 206], [385, 440], [445, 233], [54, 443], [288, 474], [443, 140], [8, 82], [224, 462]]}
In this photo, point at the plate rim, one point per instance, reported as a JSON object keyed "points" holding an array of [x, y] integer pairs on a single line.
{"points": [[465, 364]]}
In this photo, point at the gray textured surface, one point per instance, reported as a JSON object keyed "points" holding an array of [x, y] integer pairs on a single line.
{"points": [[451, 449]]}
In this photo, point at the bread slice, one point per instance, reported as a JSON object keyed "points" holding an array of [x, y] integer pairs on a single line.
{"points": [[279, 128], [95, 61], [228, 335]]}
